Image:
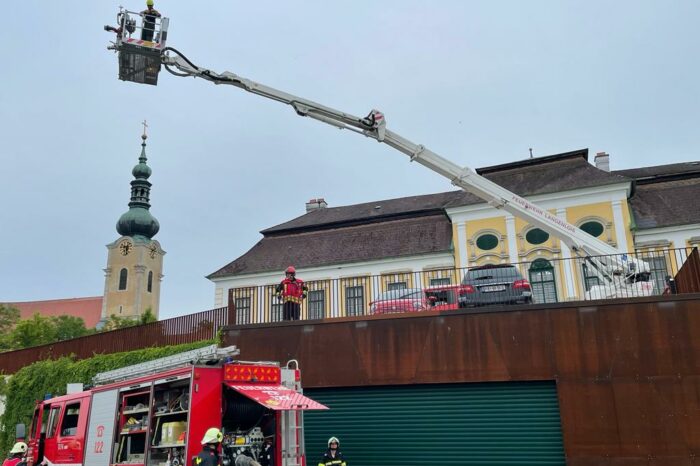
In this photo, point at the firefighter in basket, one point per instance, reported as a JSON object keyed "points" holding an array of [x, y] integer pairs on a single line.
{"points": [[292, 292]]}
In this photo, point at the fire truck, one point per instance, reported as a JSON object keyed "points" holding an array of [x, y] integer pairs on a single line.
{"points": [[620, 275], [156, 413]]}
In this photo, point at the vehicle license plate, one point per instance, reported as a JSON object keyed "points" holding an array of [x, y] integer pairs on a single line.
{"points": [[492, 288]]}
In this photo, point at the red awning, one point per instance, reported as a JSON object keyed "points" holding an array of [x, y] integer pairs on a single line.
{"points": [[276, 397]]}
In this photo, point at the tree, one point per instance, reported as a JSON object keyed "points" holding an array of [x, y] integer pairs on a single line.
{"points": [[38, 330], [147, 317], [9, 316], [68, 327], [114, 322]]}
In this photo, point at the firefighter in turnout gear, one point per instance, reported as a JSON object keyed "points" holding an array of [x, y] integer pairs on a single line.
{"points": [[16, 454], [292, 292], [209, 456], [149, 21], [333, 456]]}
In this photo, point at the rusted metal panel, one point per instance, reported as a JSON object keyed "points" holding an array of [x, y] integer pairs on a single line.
{"points": [[688, 277], [627, 373]]}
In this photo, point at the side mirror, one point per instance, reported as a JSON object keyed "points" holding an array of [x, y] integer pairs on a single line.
{"points": [[20, 431]]}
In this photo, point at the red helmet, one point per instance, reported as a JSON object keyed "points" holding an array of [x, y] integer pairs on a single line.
{"points": [[290, 269]]}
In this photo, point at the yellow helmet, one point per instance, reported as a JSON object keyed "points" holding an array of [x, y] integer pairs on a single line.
{"points": [[212, 435], [149, 2], [19, 447]]}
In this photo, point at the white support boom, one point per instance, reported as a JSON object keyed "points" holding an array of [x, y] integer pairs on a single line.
{"points": [[622, 275]]}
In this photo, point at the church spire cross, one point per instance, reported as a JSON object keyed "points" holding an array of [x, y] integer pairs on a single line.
{"points": [[145, 125]]}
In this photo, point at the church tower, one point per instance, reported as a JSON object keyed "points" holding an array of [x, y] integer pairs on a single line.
{"points": [[135, 260]]}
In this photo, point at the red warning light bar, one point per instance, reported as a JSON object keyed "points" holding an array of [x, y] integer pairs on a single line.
{"points": [[251, 373]]}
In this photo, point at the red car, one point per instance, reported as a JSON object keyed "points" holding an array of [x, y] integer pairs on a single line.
{"points": [[405, 300], [445, 297]]}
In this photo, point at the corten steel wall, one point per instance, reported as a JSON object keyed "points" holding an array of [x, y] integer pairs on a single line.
{"points": [[688, 277], [184, 329], [627, 374]]}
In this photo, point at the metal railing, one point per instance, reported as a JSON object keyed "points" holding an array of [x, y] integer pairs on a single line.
{"points": [[533, 282]]}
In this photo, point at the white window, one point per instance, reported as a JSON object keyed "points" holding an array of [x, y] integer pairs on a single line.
{"points": [[354, 300]]}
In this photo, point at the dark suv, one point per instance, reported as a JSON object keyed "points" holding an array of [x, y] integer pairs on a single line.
{"points": [[494, 284]]}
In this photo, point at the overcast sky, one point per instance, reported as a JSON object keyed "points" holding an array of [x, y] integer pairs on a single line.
{"points": [[479, 83]]}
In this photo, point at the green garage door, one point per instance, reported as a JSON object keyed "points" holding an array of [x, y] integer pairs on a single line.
{"points": [[439, 425]]}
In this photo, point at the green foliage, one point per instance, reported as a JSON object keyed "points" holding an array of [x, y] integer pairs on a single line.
{"points": [[68, 327], [9, 316], [114, 322], [147, 317], [37, 330], [32, 382]]}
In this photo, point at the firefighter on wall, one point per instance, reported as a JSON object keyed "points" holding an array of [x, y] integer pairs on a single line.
{"points": [[16, 454], [292, 292]]}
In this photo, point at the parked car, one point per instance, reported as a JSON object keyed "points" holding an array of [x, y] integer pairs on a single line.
{"points": [[405, 300], [494, 284], [445, 297]]}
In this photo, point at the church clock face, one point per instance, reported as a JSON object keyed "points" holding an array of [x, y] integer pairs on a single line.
{"points": [[125, 247]]}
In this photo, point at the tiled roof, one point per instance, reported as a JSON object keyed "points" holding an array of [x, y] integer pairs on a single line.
{"points": [[541, 175], [394, 238], [665, 195], [649, 174], [90, 309], [666, 204]]}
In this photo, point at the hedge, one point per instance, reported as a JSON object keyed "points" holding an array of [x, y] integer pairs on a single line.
{"points": [[33, 382]]}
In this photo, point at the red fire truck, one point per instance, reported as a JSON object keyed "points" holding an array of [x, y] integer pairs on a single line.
{"points": [[156, 413]]}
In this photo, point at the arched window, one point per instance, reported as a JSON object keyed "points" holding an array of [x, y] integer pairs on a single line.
{"points": [[543, 282], [150, 281], [123, 274], [536, 236], [487, 242], [593, 228]]}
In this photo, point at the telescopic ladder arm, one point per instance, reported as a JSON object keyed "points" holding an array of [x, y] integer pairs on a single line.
{"points": [[374, 126]]}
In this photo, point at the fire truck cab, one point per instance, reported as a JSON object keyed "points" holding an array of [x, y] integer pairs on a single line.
{"points": [[156, 413]]}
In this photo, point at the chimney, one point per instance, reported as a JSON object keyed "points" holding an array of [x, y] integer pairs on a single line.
{"points": [[315, 204], [602, 161]]}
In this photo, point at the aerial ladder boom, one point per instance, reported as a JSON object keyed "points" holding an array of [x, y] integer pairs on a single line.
{"points": [[620, 274]]}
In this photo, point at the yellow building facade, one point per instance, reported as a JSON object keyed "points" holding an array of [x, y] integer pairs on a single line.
{"points": [[351, 255]]}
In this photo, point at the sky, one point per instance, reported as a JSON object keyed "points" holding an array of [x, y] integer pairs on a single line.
{"points": [[477, 82]]}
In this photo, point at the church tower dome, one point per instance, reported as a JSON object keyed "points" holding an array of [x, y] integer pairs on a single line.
{"points": [[134, 260], [138, 220]]}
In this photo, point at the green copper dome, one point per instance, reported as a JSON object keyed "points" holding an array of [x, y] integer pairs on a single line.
{"points": [[138, 221]]}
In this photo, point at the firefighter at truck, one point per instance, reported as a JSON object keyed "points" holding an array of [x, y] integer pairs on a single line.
{"points": [[333, 456], [292, 292], [16, 455], [209, 456]]}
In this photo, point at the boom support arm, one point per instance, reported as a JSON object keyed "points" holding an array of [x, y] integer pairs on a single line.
{"points": [[374, 126]]}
